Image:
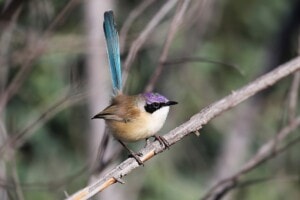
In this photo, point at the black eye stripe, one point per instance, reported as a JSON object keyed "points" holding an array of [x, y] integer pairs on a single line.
{"points": [[150, 108]]}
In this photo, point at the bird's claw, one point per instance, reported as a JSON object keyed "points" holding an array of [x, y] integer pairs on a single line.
{"points": [[162, 141], [137, 158]]}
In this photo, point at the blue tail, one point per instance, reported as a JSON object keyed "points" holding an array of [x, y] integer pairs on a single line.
{"points": [[113, 50]]}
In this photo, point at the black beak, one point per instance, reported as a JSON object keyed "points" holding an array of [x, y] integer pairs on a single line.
{"points": [[170, 103]]}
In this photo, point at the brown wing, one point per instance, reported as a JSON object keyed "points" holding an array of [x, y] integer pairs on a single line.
{"points": [[123, 108], [110, 113]]}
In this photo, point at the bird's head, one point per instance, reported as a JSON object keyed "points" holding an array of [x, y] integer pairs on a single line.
{"points": [[155, 101]]}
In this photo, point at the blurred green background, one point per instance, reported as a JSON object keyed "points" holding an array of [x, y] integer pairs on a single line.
{"points": [[45, 123]]}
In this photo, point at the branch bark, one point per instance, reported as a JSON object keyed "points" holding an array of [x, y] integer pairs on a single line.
{"points": [[195, 123]]}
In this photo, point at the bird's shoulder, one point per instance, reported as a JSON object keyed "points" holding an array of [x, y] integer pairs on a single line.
{"points": [[122, 108]]}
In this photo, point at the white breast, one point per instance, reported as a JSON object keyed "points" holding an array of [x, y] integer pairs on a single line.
{"points": [[157, 120]]}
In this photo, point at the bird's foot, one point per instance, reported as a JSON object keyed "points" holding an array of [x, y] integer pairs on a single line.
{"points": [[132, 153], [162, 141], [148, 142], [136, 157]]}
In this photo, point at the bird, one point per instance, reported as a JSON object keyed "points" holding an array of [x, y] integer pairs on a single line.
{"points": [[130, 118]]}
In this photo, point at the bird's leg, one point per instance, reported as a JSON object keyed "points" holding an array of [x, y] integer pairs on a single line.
{"points": [[162, 140], [147, 142], [132, 153]]}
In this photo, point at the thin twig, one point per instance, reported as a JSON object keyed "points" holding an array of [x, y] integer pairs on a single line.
{"points": [[6, 38], [294, 92], [174, 26], [202, 17], [19, 138], [194, 124], [101, 162], [137, 44], [49, 185], [60, 16], [293, 96], [135, 13], [252, 182], [242, 184], [27, 65], [16, 181], [183, 60], [269, 150]]}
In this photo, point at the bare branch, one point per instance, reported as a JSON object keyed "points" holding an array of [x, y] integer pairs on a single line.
{"points": [[16, 181], [27, 65], [194, 124], [252, 182], [293, 96], [183, 60], [137, 44], [135, 13], [19, 138], [60, 16], [242, 184], [269, 150], [174, 26], [49, 185]]}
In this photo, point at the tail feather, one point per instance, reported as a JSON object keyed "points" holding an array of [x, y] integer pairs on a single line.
{"points": [[113, 50]]}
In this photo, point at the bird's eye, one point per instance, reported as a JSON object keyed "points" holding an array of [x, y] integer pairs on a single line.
{"points": [[150, 108], [155, 105]]}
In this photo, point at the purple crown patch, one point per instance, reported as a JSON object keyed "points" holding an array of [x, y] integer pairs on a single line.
{"points": [[154, 97]]}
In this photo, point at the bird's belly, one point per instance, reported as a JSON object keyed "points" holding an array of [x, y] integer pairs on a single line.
{"points": [[129, 131], [138, 129]]}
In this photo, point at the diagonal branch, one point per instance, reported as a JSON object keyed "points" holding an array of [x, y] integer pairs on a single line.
{"points": [[269, 150], [27, 65], [135, 13], [174, 26], [193, 125], [20, 137], [293, 96], [137, 44], [294, 92]]}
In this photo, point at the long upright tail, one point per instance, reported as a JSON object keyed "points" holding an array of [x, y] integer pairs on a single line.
{"points": [[113, 50]]}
